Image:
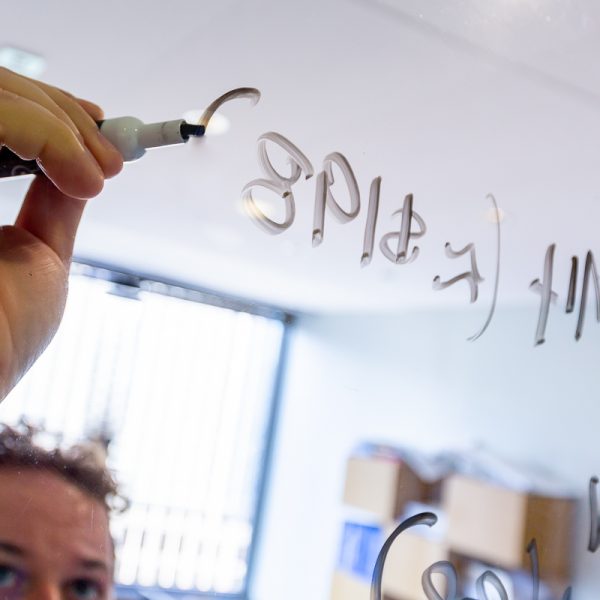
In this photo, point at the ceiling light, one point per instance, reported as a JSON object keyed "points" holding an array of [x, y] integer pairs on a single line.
{"points": [[264, 205], [21, 61], [492, 217]]}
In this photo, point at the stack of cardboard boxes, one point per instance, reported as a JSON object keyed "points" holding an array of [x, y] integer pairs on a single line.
{"points": [[479, 522], [494, 525], [382, 485]]}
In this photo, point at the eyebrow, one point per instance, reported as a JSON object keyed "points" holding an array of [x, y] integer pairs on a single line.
{"points": [[85, 563], [93, 564]]}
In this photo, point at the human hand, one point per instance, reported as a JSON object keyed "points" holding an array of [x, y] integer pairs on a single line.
{"points": [[38, 121]]}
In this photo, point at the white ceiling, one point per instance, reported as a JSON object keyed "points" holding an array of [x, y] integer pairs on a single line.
{"points": [[445, 99]]}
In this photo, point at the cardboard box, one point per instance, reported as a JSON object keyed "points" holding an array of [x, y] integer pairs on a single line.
{"points": [[495, 525], [409, 556], [382, 485], [346, 586]]}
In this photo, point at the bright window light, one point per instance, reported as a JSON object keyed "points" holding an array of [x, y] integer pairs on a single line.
{"points": [[184, 391]]}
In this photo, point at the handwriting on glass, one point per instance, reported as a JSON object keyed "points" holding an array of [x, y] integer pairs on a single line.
{"points": [[394, 245], [447, 569], [547, 295], [594, 516], [472, 277]]}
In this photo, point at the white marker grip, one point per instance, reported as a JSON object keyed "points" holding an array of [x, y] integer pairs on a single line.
{"points": [[132, 137]]}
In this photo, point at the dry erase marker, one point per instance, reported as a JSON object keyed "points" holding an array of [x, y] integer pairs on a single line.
{"points": [[131, 137]]}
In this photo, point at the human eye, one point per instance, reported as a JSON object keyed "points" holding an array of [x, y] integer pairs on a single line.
{"points": [[10, 579], [85, 589]]}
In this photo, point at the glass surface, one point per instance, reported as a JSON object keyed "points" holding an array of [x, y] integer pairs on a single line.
{"points": [[418, 186]]}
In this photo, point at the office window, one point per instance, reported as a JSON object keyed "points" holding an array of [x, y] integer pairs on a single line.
{"points": [[185, 392]]}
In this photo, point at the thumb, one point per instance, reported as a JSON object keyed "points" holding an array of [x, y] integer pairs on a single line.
{"points": [[51, 216]]}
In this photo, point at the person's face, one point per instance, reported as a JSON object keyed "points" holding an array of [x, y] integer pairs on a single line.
{"points": [[54, 540]]}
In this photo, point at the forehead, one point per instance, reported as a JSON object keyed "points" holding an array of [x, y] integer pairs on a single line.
{"points": [[48, 517]]}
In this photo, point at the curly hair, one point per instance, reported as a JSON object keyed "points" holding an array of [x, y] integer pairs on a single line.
{"points": [[82, 465]]}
